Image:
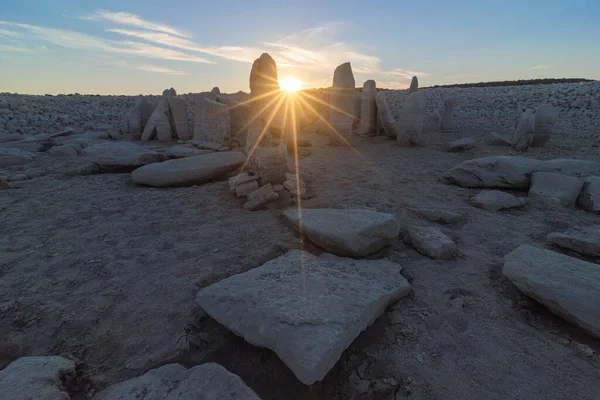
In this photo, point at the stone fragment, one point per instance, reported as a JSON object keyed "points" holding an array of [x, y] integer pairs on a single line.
{"points": [[447, 120], [188, 171], [353, 233], [495, 200], [305, 308], [86, 169], [159, 123], [431, 242], [14, 156], [215, 90], [385, 117], [206, 145], [438, 215], [566, 285], [556, 188], [238, 179], [411, 120], [461, 145], [269, 163], [589, 198], [343, 76], [543, 124], [584, 241], [184, 151], [41, 378], [414, 85], [245, 188], [179, 118], [120, 155], [174, 382], [523, 135], [368, 109], [291, 185], [9, 137], [253, 205], [63, 151], [212, 121], [499, 140]]}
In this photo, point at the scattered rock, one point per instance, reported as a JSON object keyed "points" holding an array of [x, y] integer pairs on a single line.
{"points": [[120, 155], [175, 382], [461, 145], [353, 233], [438, 215], [431, 242], [495, 200], [41, 378], [188, 171], [13, 156], [307, 309], [385, 117], [589, 198], [584, 241], [86, 169], [240, 179], [243, 189], [63, 151], [260, 197], [564, 284], [555, 188]]}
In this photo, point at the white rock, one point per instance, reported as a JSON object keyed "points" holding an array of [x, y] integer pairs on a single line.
{"points": [[555, 188], [589, 198], [585, 241], [495, 200], [343, 76], [120, 155], [543, 124], [179, 118], [494, 172], [159, 124], [566, 285], [30, 378], [387, 120], [188, 171], [523, 135], [305, 308], [431, 242], [175, 382], [354, 233], [212, 121]]}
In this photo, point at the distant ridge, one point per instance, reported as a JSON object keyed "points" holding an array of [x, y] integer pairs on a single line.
{"points": [[520, 82]]}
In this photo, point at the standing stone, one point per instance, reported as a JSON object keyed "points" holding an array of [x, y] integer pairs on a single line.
{"points": [[179, 118], [414, 85], [269, 163], [240, 116], [410, 124], [385, 117], [307, 309], [212, 121], [343, 76], [216, 90], [566, 285], [264, 87], [169, 93], [523, 135], [368, 109], [138, 117], [342, 101], [543, 124], [447, 121], [589, 198], [159, 123]]}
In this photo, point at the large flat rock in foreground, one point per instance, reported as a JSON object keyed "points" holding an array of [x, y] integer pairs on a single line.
{"points": [[352, 233], [190, 170], [120, 155], [31, 378], [567, 286], [175, 382], [585, 240], [305, 308]]}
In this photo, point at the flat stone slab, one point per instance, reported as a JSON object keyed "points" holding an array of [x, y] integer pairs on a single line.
{"points": [[585, 241], [29, 378], [566, 285], [305, 308], [14, 156], [555, 188], [589, 199], [461, 145], [189, 171], [120, 155], [353, 233], [184, 151], [495, 200], [431, 242], [174, 382]]}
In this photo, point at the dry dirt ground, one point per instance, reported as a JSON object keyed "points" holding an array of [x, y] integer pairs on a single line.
{"points": [[99, 270]]}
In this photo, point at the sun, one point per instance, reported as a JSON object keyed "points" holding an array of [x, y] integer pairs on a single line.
{"points": [[290, 84]]}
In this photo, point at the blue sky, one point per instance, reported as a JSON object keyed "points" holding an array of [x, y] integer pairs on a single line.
{"points": [[144, 46]]}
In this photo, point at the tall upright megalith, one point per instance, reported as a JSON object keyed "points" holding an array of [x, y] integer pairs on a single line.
{"points": [[342, 102], [368, 109], [411, 121], [414, 85], [264, 87]]}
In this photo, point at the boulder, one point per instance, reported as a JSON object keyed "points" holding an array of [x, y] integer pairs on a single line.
{"points": [[175, 382], [543, 124], [353, 233], [414, 85], [566, 285], [385, 117], [523, 135], [584, 241], [431, 242], [65, 150], [556, 188], [216, 90], [243, 189], [411, 120], [447, 120], [212, 121], [189, 171], [343, 76], [179, 118], [41, 378], [159, 124], [14, 156], [307, 309], [495, 200], [120, 155], [461, 145], [368, 109], [589, 198], [260, 197]]}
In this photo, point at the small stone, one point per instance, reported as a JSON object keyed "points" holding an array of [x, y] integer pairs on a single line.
{"points": [[431, 242], [184, 151], [278, 188], [495, 200], [292, 185], [257, 203], [458, 302], [245, 188], [239, 179], [461, 145], [260, 192], [583, 349], [438, 215]]}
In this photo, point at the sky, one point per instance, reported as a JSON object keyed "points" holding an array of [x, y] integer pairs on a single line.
{"points": [[144, 46]]}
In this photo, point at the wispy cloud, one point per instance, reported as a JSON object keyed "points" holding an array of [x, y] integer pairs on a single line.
{"points": [[17, 49], [124, 18], [407, 74], [149, 68], [7, 33], [540, 66]]}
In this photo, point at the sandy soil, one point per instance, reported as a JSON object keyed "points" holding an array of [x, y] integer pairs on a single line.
{"points": [[104, 272]]}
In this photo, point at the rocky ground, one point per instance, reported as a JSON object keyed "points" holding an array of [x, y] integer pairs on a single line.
{"points": [[105, 273]]}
